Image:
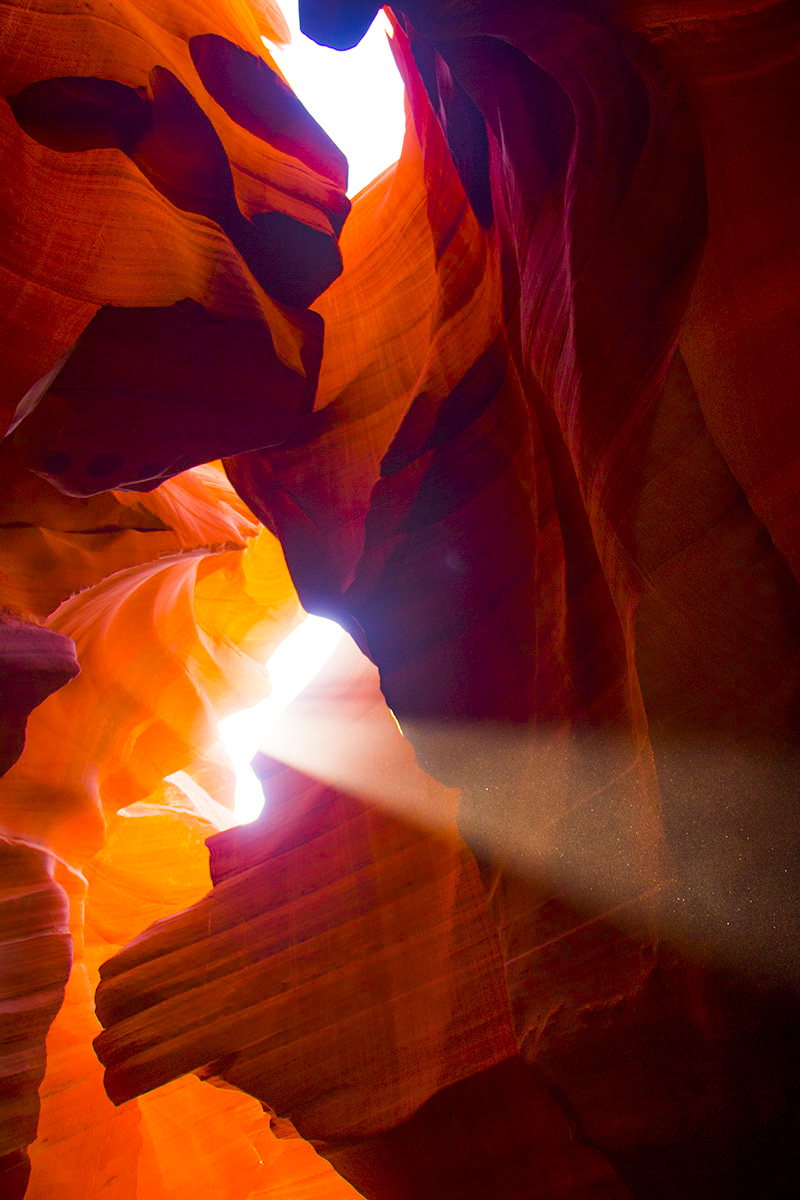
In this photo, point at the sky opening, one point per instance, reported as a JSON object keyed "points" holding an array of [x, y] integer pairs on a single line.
{"points": [[356, 95]]}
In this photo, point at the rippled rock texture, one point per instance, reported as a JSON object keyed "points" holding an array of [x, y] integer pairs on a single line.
{"points": [[524, 423], [34, 967]]}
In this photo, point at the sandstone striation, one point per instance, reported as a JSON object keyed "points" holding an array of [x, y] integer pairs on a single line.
{"points": [[519, 917]]}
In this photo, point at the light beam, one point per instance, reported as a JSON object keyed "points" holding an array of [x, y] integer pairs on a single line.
{"points": [[292, 666]]}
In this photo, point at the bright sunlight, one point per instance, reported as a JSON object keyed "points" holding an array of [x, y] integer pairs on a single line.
{"points": [[294, 664], [356, 95]]}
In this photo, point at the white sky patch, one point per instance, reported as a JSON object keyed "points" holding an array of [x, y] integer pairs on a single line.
{"points": [[356, 95], [291, 668]]}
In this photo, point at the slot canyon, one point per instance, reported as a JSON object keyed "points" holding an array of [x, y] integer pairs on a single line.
{"points": [[519, 917]]}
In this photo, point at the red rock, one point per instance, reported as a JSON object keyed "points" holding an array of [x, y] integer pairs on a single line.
{"points": [[543, 471], [329, 904], [33, 663], [35, 959]]}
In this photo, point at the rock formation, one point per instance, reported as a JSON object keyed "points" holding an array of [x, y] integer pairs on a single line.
{"points": [[522, 422]]}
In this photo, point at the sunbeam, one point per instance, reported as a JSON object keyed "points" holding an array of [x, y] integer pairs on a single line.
{"points": [[292, 666]]}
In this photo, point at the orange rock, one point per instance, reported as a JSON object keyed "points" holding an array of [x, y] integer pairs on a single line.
{"points": [[35, 958], [542, 469]]}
